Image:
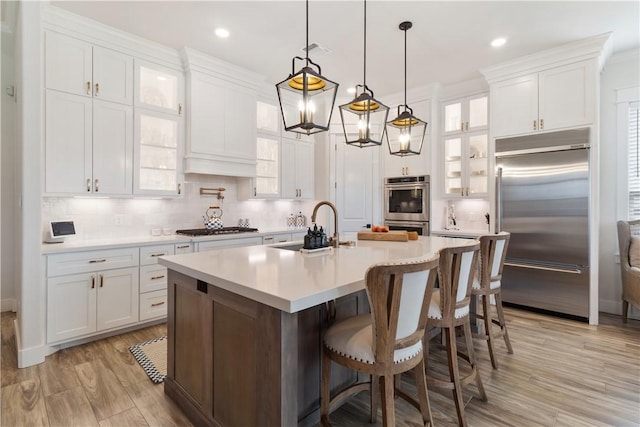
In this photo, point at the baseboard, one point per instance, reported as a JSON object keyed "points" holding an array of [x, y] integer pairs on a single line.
{"points": [[8, 304], [615, 307], [27, 356]]}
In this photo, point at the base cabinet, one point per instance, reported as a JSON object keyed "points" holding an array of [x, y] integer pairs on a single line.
{"points": [[234, 361]]}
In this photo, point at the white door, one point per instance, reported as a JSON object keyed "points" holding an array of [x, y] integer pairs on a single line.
{"points": [[354, 185], [118, 297], [304, 163], [112, 76], [112, 148], [68, 148], [71, 306], [68, 64], [514, 106]]}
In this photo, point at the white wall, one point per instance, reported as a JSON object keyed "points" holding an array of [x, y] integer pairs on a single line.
{"points": [[95, 218], [7, 190], [621, 71]]}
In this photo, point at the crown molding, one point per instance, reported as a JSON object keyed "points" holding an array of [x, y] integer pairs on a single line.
{"points": [[196, 61], [62, 21], [597, 47]]}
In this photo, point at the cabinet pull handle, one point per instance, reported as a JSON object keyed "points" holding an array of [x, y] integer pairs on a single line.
{"points": [[541, 123], [467, 190], [97, 92], [94, 261], [96, 186], [462, 192], [157, 277], [101, 280], [157, 254], [255, 191], [93, 282], [157, 304], [89, 184], [179, 188], [282, 241], [180, 109], [183, 247], [88, 88], [462, 127], [534, 124], [268, 238], [467, 126]]}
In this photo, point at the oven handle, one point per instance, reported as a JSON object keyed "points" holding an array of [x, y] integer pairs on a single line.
{"points": [[406, 186]]}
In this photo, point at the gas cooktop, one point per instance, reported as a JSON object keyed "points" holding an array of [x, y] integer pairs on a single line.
{"points": [[223, 230]]}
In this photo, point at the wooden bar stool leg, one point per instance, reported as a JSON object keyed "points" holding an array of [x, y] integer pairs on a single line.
{"points": [[388, 411], [324, 390], [503, 323], [472, 360], [454, 374], [375, 395], [486, 310], [423, 396]]}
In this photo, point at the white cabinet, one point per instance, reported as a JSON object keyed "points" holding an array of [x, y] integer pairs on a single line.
{"points": [[211, 245], [297, 169], [159, 88], [276, 238], [411, 165], [158, 153], [92, 291], [221, 136], [153, 281], [560, 97], [465, 131], [183, 248], [77, 67]]}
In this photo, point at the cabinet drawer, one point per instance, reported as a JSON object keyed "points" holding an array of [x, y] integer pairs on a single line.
{"points": [[153, 278], [153, 304], [228, 243], [149, 254], [89, 261], [183, 248], [276, 238]]}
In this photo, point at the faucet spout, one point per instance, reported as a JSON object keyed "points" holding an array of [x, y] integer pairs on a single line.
{"points": [[335, 240]]}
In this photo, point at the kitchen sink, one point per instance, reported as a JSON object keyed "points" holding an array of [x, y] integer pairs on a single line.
{"points": [[291, 247]]}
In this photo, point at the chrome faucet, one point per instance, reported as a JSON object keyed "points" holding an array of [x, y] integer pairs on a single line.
{"points": [[335, 240]]}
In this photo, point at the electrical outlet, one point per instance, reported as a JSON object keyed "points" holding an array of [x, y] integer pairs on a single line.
{"points": [[119, 219]]}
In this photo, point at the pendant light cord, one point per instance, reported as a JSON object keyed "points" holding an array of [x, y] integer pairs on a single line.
{"points": [[405, 68], [365, 43], [306, 49]]}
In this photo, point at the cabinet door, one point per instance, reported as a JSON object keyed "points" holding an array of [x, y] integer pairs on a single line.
{"points": [[288, 183], [118, 296], [267, 182], [453, 166], [304, 163], [112, 148], [68, 64], [112, 76], [68, 148], [566, 96], [478, 165], [268, 118], [159, 88], [514, 106], [240, 113], [157, 153], [477, 112], [71, 306], [453, 121]]}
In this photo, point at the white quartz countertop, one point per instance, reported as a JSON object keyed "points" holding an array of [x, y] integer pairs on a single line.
{"points": [[118, 242], [292, 281]]}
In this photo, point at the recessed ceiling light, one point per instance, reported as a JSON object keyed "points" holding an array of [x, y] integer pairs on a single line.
{"points": [[498, 42], [351, 90], [222, 33]]}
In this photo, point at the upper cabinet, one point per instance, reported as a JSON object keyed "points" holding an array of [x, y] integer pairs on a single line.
{"points": [[221, 132], [557, 98], [465, 131], [551, 90], [77, 67], [159, 88], [297, 169], [411, 165]]}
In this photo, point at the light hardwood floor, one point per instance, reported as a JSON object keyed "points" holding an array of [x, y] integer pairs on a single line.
{"points": [[562, 373]]}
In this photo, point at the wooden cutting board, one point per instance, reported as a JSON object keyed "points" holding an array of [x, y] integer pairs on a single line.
{"points": [[390, 236]]}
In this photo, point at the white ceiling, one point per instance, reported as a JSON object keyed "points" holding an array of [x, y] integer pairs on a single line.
{"points": [[449, 41]]}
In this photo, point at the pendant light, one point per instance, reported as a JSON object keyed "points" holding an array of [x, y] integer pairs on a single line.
{"points": [[306, 97], [405, 134], [367, 112]]}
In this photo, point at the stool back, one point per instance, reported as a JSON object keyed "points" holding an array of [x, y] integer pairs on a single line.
{"points": [[455, 274], [399, 295], [493, 251]]}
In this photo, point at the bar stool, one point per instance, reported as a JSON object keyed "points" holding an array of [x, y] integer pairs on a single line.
{"points": [[386, 342], [493, 250], [449, 309]]}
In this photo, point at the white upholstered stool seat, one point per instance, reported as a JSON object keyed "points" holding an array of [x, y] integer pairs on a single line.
{"points": [[495, 284], [435, 309]]}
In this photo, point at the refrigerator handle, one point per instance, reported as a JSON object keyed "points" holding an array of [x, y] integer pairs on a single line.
{"points": [[499, 200]]}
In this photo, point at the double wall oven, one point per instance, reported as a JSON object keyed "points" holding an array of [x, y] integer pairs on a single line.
{"points": [[406, 203]]}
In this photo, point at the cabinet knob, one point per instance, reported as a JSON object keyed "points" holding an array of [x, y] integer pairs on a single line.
{"points": [[93, 282], [97, 91], [180, 109], [88, 88], [541, 123], [101, 280], [89, 184], [96, 188], [535, 125], [179, 188]]}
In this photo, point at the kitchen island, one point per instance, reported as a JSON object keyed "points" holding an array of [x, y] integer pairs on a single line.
{"points": [[245, 326]]}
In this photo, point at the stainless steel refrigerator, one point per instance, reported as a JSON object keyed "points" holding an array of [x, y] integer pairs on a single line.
{"points": [[542, 197]]}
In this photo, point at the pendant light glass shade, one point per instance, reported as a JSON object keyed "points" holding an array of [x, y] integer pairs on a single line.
{"points": [[365, 116], [405, 134], [306, 97]]}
